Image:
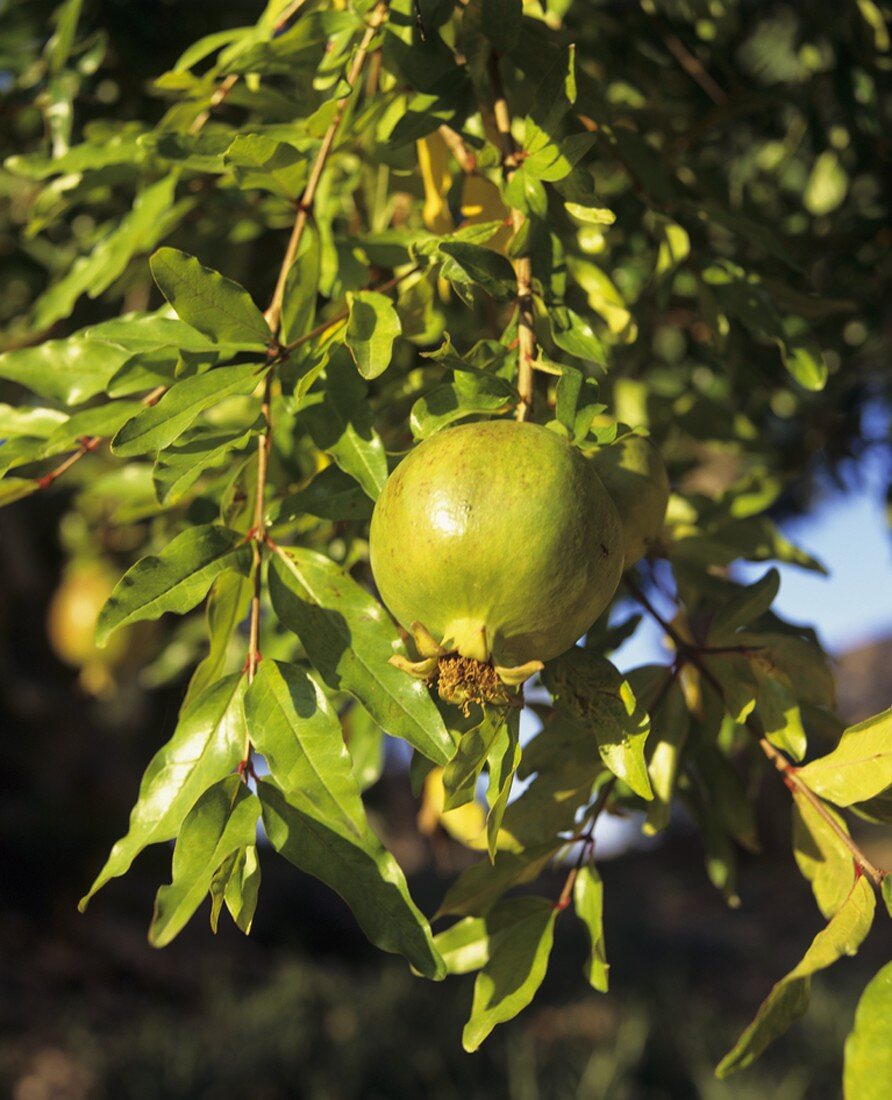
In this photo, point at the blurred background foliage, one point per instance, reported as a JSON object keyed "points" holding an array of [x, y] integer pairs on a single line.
{"points": [[754, 214]]}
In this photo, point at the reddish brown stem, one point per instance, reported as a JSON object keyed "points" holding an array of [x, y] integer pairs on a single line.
{"points": [[305, 206], [788, 771]]}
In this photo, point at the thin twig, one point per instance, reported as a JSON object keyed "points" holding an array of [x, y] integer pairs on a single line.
{"points": [[523, 268], [273, 317], [587, 842], [695, 70], [790, 773], [343, 315], [90, 444], [305, 204], [466, 160], [220, 94]]}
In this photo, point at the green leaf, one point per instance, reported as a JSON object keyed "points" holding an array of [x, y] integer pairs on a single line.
{"points": [[68, 371], [868, 1051], [482, 267], [206, 745], [823, 858], [789, 998], [805, 362], [29, 420], [227, 606], [365, 743], [556, 93], [331, 494], [462, 772], [159, 425], [723, 790], [58, 48], [150, 332], [827, 185], [223, 820], [349, 639], [101, 420], [152, 217], [241, 887], [479, 887], [341, 425], [576, 336], [259, 162], [670, 726], [16, 488], [859, 767], [464, 947], [470, 394], [591, 690], [778, 711], [887, 892], [371, 330], [502, 759], [526, 193], [361, 871], [176, 579], [208, 301], [552, 161], [521, 932], [178, 467], [301, 290], [743, 607], [590, 215], [294, 726], [588, 902]]}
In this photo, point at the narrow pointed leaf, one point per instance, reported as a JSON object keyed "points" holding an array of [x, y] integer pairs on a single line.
{"points": [[588, 902], [366, 877], [223, 820], [208, 301], [69, 371], [176, 579], [859, 767], [349, 639], [158, 426], [821, 855], [789, 998], [521, 933], [868, 1051], [206, 745]]}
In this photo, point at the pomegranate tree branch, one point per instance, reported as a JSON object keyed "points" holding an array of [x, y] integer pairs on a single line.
{"points": [[273, 315], [523, 268], [90, 444], [305, 203], [795, 784]]}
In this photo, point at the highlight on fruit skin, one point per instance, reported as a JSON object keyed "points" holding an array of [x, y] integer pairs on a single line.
{"points": [[496, 545], [635, 476]]}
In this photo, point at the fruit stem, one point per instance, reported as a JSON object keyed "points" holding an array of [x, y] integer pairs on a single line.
{"points": [[523, 267]]}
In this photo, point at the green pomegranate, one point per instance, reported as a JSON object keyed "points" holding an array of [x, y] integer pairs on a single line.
{"points": [[497, 545], [634, 475]]}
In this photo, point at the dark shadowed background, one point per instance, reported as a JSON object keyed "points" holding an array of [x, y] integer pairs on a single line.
{"points": [[305, 1007]]}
